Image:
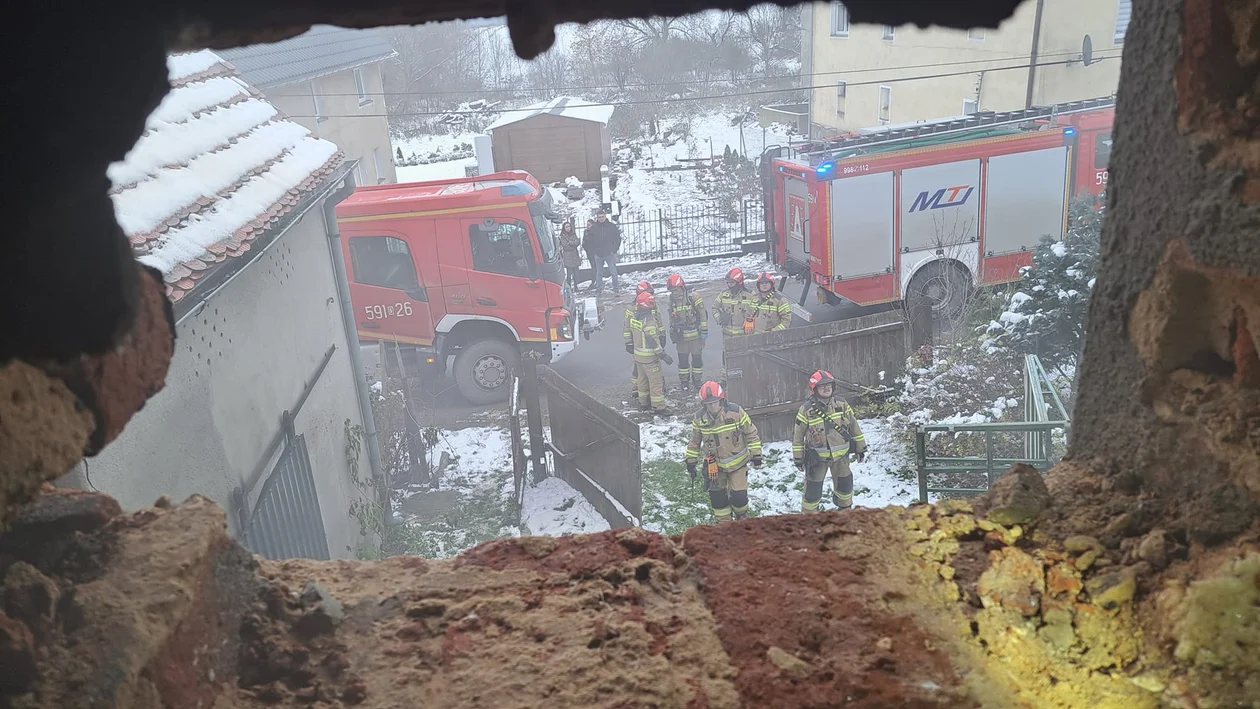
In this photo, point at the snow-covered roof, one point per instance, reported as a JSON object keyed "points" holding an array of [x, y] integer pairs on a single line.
{"points": [[218, 166], [565, 106]]}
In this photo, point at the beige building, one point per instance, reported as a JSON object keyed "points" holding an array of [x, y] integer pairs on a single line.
{"points": [[867, 75], [329, 81]]}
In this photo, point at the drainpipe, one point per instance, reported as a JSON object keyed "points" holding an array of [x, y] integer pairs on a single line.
{"points": [[1032, 56], [352, 337]]}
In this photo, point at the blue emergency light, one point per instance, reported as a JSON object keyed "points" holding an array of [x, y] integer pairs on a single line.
{"points": [[1069, 131], [824, 168]]}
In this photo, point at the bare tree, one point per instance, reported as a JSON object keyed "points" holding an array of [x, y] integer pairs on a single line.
{"points": [[772, 34]]}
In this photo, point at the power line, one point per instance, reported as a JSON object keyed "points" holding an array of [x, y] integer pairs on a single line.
{"points": [[872, 82], [846, 72]]}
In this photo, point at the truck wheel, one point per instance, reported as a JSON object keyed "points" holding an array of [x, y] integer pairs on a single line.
{"points": [[483, 370], [936, 300]]}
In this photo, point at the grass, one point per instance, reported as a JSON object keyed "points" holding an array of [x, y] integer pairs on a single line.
{"points": [[672, 503], [480, 514]]}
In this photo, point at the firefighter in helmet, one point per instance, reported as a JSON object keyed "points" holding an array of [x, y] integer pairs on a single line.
{"points": [[774, 312], [735, 309], [827, 432], [689, 326], [643, 287], [645, 342], [723, 442]]}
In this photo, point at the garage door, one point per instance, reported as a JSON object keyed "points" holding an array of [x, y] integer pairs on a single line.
{"points": [[549, 154]]}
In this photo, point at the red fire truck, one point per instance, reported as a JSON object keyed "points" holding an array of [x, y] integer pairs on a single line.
{"points": [[467, 267], [927, 211]]}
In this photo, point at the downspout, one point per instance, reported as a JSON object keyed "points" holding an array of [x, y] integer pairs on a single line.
{"points": [[352, 337], [1032, 56]]}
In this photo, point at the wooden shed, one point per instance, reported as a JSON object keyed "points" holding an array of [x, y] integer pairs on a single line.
{"points": [[554, 140]]}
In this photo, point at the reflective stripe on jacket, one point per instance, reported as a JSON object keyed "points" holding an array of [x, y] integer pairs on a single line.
{"points": [[687, 316], [730, 436], [816, 424], [656, 315], [774, 312], [643, 332], [737, 307]]}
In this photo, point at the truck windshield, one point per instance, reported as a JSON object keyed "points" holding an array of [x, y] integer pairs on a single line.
{"points": [[546, 238]]}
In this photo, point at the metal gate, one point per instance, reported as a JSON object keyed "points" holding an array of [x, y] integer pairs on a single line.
{"points": [[768, 373], [594, 449], [287, 522]]}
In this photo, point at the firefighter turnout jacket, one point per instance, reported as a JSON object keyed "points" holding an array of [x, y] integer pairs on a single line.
{"points": [[826, 427], [644, 333], [730, 437], [774, 312], [687, 316], [733, 309], [656, 315]]}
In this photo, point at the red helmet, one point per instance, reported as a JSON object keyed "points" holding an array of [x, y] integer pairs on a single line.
{"points": [[644, 287], [645, 299], [735, 274], [675, 281], [711, 391], [765, 278], [822, 376]]}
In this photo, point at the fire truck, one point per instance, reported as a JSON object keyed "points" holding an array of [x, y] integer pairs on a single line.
{"points": [[465, 267], [925, 212]]}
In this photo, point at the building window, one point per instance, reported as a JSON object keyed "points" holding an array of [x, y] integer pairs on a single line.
{"points": [[501, 247], [1122, 20], [885, 104], [376, 163], [360, 85], [839, 20], [383, 261], [318, 104], [976, 34], [890, 32], [842, 91], [970, 106]]}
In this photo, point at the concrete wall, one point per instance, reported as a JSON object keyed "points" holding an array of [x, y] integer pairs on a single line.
{"points": [[239, 363], [357, 128], [865, 57]]}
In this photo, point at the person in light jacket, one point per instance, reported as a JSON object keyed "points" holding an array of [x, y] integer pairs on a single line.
{"points": [[570, 253]]}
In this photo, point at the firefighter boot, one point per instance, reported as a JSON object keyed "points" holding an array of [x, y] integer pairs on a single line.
{"points": [[812, 500], [720, 501]]}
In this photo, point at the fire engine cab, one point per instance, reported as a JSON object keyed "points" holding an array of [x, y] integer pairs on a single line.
{"points": [[464, 267], [927, 211]]}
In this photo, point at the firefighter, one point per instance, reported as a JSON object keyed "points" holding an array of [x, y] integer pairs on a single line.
{"points": [[689, 327], [643, 287], [644, 340], [826, 433], [723, 442], [774, 312], [734, 309]]}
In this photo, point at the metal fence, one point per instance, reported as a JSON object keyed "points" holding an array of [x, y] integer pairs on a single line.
{"points": [[287, 522], [694, 230], [1044, 414]]}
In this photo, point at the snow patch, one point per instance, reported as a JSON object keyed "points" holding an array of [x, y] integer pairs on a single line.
{"points": [[193, 98], [1059, 249], [180, 65], [553, 508]]}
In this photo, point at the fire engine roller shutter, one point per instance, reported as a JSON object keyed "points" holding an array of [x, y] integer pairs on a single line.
{"points": [[862, 212], [1024, 200], [940, 206], [796, 216], [550, 153]]}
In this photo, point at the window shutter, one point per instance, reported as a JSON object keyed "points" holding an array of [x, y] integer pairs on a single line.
{"points": [[1123, 9]]}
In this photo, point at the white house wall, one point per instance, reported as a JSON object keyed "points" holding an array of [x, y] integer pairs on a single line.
{"points": [[239, 363]]}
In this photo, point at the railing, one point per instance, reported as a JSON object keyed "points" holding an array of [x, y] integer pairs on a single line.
{"points": [[694, 230], [1044, 414]]}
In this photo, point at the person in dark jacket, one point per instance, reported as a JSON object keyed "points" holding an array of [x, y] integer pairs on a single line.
{"points": [[586, 247], [570, 253], [604, 241]]}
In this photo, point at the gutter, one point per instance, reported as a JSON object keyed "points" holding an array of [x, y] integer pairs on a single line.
{"points": [[370, 435], [1032, 56]]}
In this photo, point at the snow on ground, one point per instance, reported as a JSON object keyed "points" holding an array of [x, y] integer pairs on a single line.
{"points": [[444, 156], [473, 502], [434, 171], [671, 502], [698, 273]]}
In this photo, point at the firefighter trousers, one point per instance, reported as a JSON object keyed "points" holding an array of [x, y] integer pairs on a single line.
{"points": [[841, 484], [650, 383], [728, 493], [691, 360]]}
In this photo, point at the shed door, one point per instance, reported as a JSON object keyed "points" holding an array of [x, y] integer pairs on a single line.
{"points": [[549, 154]]}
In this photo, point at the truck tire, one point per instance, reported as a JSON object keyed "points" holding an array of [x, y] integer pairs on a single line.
{"points": [[936, 300], [483, 370]]}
